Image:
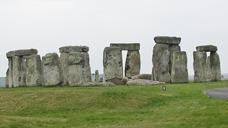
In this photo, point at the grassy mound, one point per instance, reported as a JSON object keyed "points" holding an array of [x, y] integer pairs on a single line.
{"points": [[181, 106]]}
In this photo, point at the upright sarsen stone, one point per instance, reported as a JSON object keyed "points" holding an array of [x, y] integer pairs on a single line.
{"points": [[161, 57], [133, 64], [200, 64], [112, 63], [179, 72], [52, 75], [75, 65], [33, 71], [215, 67]]}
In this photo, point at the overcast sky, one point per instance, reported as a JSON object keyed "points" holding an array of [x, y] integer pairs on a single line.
{"points": [[49, 24]]}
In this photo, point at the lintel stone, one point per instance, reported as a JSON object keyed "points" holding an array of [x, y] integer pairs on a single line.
{"points": [[167, 40], [127, 46], [68, 49], [207, 48], [22, 52]]}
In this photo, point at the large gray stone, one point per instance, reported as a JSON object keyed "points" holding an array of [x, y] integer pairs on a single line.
{"points": [[64, 67], [172, 49], [167, 40], [143, 82], [112, 62], [215, 67], [208, 69], [69, 49], [78, 68], [127, 46], [200, 66], [161, 60], [133, 64], [207, 48], [34, 71], [142, 76], [52, 75], [23, 52], [179, 72]]}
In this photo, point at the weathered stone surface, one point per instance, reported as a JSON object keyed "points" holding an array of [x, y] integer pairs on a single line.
{"points": [[161, 57], [208, 69], [69, 49], [142, 76], [215, 67], [167, 40], [172, 49], [112, 62], [18, 71], [118, 81], [97, 76], [200, 66], [64, 67], [127, 46], [34, 71], [207, 48], [52, 75], [133, 64], [23, 52], [78, 68], [143, 82], [179, 72]]}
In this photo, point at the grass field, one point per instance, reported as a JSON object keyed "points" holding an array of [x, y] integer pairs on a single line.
{"points": [[181, 106]]}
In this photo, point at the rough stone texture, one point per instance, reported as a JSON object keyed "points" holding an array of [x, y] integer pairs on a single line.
{"points": [[133, 64], [97, 76], [118, 81], [143, 82], [69, 49], [19, 68], [207, 48], [52, 75], [179, 72], [75, 65], [172, 49], [24, 52], [208, 69], [112, 63], [34, 71], [200, 66], [215, 67], [127, 46], [142, 76], [161, 57], [78, 68], [64, 67], [167, 40]]}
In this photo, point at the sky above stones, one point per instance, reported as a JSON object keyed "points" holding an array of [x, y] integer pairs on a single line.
{"points": [[49, 24]]}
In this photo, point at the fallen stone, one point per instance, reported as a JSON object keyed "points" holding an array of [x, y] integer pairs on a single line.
{"points": [[167, 40], [69, 49], [219, 93], [142, 76], [127, 46], [23, 52], [179, 72], [143, 82], [118, 81], [207, 48]]}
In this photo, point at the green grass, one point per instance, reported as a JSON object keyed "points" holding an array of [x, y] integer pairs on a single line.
{"points": [[181, 106]]}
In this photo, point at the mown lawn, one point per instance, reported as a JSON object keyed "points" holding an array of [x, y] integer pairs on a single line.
{"points": [[181, 106]]}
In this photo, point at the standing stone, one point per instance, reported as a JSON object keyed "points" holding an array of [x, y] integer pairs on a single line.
{"points": [[75, 65], [19, 69], [200, 66], [161, 57], [172, 49], [33, 71], [113, 64], [97, 76], [208, 69], [52, 75], [133, 64], [179, 72], [215, 67]]}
